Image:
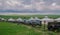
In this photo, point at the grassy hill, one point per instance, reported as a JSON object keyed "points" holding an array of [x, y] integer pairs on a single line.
{"points": [[7, 28]]}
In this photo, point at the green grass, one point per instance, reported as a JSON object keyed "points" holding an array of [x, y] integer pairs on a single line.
{"points": [[14, 29], [7, 28]]}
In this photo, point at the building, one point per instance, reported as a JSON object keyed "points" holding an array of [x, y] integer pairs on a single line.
{"points": [[46, 20], [19, 20], [11, 20], [58, 19]]}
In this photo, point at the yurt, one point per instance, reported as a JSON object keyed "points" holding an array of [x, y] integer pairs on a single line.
{"points": [[31, 19], [3, 19], [46, 20], [11, 19], [36, 18], [25, 21], [19, 20], [38, 21], [58, 19]]}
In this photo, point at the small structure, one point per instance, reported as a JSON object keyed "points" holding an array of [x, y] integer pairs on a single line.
{"points": [[31, 20], [46, 20], [35, 21], [36, 18], [2, 19], [19, 20], [11, 20], [25, 21], [38, 21], [58, 19]]}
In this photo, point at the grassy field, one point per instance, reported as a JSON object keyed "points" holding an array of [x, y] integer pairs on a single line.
{"points": [[7, 28]]}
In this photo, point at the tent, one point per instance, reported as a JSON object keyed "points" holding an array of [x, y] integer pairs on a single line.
{"points": [[19, 19], [36, 18], [3, 19], [58, 19], [11, 19], [46, 20], [31, 18]]}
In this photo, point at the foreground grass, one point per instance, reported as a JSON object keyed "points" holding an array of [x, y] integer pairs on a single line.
{"points": [[14, 29], [7, 28]]}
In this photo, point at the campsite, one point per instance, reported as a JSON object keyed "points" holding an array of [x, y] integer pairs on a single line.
{"points": [[18, 28]]}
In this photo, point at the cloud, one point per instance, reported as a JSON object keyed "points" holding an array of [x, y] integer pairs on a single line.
{"points": [[12, 3], [38, 5], [28, 6], [0, 4], [54, 6]]}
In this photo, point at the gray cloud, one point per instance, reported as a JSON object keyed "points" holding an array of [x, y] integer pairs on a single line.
{"points": [[38, 5]]}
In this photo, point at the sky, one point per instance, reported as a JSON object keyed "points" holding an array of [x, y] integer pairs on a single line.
{"points": [[30, 6]]}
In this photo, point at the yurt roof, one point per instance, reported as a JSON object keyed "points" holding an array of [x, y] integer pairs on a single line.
{"points": [[19, 19], [10, 19], [31, 18], [36, 18], [57, 19], [2, 18], [47, 19]]}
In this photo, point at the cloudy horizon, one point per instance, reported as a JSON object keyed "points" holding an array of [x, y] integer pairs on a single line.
{"points": [[30, 6]]}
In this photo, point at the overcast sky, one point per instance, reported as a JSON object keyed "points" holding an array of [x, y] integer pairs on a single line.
{"points": [[44, 6]]}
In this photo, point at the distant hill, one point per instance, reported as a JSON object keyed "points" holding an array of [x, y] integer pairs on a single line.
{"points": [[31, 11]]}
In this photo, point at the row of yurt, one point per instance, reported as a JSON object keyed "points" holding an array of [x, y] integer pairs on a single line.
{"points": [[36, 19]]}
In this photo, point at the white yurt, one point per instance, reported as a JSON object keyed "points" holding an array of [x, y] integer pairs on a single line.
{"points": [[19, 19], [11, 19], [25, 21], [46, 20], [58, 19], [31, 19], [2, 19], [36, 18]]}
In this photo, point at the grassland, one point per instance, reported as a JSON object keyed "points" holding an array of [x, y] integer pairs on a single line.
{"points": [[7, 28]]}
